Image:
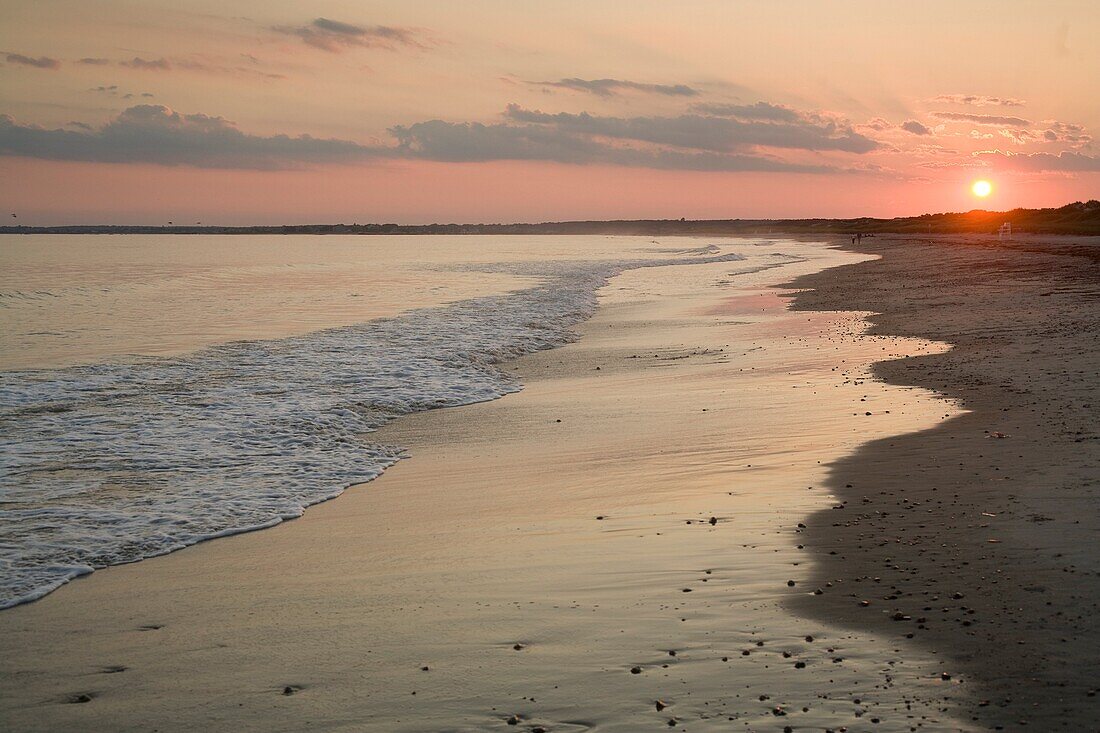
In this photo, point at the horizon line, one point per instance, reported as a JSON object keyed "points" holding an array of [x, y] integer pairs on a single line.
{"points": [[170, 225]]}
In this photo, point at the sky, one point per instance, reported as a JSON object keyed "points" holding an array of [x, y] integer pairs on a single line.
{"points": [[288, 111]]}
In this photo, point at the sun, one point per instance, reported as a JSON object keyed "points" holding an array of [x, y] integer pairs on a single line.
{"points": [[982, 189]]}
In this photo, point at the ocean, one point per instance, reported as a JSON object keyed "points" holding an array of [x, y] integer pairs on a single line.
{"points": [[158, 391]]}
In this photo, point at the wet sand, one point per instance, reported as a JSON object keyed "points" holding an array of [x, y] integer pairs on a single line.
{"points": [[618, 547], [978, 538]]}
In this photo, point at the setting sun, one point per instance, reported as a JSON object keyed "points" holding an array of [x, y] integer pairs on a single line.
{"points": [[257, 253]]}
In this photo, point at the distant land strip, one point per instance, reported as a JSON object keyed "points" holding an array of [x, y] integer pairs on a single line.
{"points": [[1080, 218]]}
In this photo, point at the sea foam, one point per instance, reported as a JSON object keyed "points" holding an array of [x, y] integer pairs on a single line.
{"points": [[112, 463]]}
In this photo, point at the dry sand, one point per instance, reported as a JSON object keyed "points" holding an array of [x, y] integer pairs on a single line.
{"points": [[535, 551], [981, 534]]}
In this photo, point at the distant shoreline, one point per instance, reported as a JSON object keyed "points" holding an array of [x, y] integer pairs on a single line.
{"points": [[1080, 218]]}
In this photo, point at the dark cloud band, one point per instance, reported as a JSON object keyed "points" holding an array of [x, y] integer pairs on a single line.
{"points": [[158, 135], [706, 132], [915, 127], [977, 119], [979, 100], [335, 36], [42, 62], [612, 87]]}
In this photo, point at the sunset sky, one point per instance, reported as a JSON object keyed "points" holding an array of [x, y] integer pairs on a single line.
{"points": [[273, 111]]}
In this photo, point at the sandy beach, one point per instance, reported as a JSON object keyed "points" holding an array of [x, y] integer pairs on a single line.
{"points": [[687, 397], [434, 367], [980, 534], [673, 526]]}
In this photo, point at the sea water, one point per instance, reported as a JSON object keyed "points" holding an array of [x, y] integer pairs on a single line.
{"points": [[135, 420]]}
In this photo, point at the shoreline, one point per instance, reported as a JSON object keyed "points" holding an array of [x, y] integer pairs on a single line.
{"points": [[446, 372], [979, 545], [217, 633]]}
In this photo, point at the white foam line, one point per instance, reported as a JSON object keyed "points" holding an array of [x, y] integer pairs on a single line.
{"points": [[114, 463]]}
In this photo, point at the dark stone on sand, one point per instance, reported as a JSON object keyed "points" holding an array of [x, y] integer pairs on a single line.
{"points": [[289, 690], [660, 705], [635, 670], [80, 697], [1010, 367], [517, 647], [790, 583], [713, 521], [513, 720]]}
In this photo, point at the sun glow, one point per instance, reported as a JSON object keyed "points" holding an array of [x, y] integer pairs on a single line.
{"points": [[981, 189]]}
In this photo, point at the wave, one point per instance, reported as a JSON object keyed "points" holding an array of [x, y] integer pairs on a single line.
{"points": [[113, 463]]}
